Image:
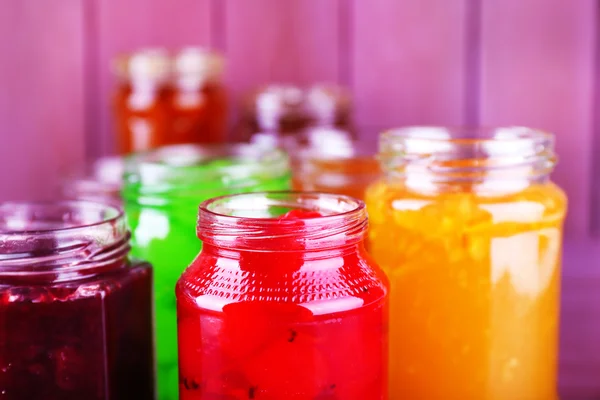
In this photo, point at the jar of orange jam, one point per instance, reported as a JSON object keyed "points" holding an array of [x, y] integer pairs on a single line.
{"points": [[199, 99], [141, 100], [329, 160], [468, 227]]}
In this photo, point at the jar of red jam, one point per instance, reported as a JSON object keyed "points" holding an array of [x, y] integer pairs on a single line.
{"points": [[75, 313], [283, 302], [141, 100], [199, 100]]}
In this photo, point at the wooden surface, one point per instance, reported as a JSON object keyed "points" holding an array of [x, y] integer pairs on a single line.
{"points": [[580, 321], [408, 62], [281, 41], [41, 95]]}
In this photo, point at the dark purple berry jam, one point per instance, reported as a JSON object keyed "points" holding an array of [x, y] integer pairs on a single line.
{"points": [[84, 339]]}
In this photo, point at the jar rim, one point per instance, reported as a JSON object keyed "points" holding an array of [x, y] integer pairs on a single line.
{"points": [[22, 208], [61, 240], [185, 170], [221, 223], [467, 134], [488, 157], [330, 143]]}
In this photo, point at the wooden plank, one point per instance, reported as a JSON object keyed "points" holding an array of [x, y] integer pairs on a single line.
{"points": [[409, 62], [580, 330], [124, 26], [292, 41], [42, 96], [537, 70]]}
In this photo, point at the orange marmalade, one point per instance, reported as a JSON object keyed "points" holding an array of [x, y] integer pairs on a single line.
{"points": [[469, 231]]}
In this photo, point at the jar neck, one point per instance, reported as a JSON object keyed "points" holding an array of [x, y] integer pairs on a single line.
{"points": [[252, 223], [265, 256], [58, 242], [184, 173], [491, 161]]}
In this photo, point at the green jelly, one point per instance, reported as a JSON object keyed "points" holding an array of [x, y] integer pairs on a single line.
{"points": [[162, 191]]}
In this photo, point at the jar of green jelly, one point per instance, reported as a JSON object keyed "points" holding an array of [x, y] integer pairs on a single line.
{"points": [[161, 193]]}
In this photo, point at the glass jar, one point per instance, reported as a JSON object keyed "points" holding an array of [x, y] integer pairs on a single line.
{"points": [[272, 111], [162, 190], [330, 105], [330, 161], [99, 181], [468, 227], [283, 302], [199, 102], [279, 111], [75, 313], [141, 100]]}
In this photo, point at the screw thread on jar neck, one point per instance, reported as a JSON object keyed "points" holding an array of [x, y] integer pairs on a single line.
{"points": [[504, 159], [250, 222], [60, 241]]}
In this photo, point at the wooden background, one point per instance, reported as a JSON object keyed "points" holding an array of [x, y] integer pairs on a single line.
{"points": [[516, 62]]}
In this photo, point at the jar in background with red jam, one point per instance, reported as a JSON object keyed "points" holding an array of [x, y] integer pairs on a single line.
{"points": [[199, 99], [283, 302], [141, 101], [75, 313]]}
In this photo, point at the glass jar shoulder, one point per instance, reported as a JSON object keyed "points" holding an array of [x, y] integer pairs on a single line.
{"points": [[535, 206], [322, 285]]}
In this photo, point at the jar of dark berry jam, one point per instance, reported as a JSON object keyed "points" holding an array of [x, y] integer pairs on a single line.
{"points": [[283, 302], [75, 313]]}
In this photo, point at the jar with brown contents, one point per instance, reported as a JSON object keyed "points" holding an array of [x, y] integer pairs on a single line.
{"points": [[276, 112]]}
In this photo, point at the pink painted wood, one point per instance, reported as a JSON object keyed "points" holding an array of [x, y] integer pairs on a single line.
{"points": [[580, 323], [41, 95], [409, 62], [293, 41], [537, 70], [123, 26]]}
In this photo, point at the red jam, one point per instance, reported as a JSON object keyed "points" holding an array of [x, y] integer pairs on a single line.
{"points": [[300, 214], [292, 310]]}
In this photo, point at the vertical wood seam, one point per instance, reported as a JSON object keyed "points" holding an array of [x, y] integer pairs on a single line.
{"points": [[473, 60], [92, 140], [345, 42], [217, 31], [594, 196]]}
